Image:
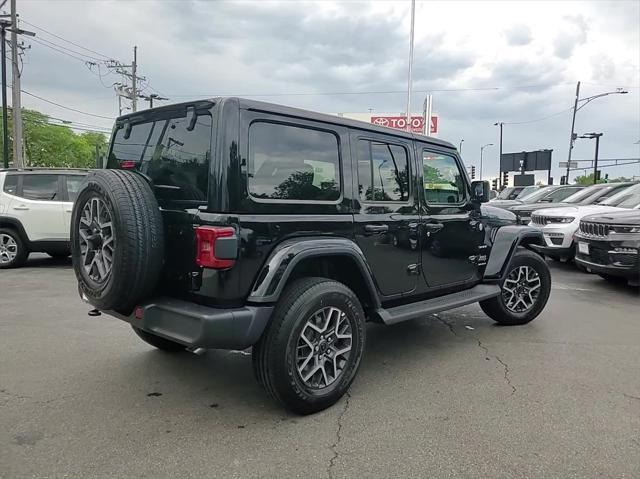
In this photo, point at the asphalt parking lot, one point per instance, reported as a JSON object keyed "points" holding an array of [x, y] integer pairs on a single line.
{"points": [[451, 395]]}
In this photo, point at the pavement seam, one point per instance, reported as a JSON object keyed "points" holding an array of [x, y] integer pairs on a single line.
{"points": [[334, 446], [446, 323]]}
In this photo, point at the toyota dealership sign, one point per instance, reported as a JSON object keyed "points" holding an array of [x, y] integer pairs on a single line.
{"points": [[391, 120]]}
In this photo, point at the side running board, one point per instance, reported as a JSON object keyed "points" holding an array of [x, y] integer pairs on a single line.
{"points": [[435, 305]]}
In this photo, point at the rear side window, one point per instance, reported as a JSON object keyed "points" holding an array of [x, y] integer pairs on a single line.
{"points": [[561, 193], [174, 153], [383, 171], [40, 187], [73, 186], [293, 163], [10, 184]]}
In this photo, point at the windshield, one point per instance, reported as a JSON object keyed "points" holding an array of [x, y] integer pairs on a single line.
{"points": [[627, 198], [536, 195], [173, 150], [584, 194], [526, 191], [504, 194]]}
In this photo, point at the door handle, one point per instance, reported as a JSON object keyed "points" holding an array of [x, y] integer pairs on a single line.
{"points": [[376, 228], [433, 227], [21, 207]]}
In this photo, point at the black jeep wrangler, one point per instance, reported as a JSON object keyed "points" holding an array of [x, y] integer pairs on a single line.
{"points": [[230, 223]]}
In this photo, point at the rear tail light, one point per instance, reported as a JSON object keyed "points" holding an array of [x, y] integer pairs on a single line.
{"points": [[127, 164], [216, 246]]}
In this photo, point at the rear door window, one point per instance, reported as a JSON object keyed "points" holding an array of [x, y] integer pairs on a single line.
{"points": [[383, 171], [293, 163], [175, 153], [40, 187]]}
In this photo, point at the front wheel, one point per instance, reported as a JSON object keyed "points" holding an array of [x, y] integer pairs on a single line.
{"points": [[525, 290], [311, 350]]}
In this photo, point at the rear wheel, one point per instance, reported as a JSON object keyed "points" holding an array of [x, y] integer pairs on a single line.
{"points": [[311, 350], [13, 252], [158, 342], [525, 290]]}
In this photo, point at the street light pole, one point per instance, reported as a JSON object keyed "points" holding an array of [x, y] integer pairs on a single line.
{"points": [[460, 147], [499, 157], [577, 108], [481, 151], [409, 82]]}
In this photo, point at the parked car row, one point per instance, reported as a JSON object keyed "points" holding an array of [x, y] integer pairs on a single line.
{"points": [[598, 226]]}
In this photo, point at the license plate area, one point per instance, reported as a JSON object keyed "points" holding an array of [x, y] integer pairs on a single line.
{"points": [[583, 248]]}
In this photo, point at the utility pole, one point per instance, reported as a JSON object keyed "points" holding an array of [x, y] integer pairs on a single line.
{"points": [[15, 89], [573, 125], [499, 157], [18, 160], [5, 121], [152, 97], [134, 96]]}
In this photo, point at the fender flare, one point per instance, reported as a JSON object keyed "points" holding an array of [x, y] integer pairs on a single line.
{"points": [[285, 257], [16, 224], [505, 244]]}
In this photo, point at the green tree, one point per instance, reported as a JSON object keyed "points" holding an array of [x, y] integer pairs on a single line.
{"points": [[587, 180], [49, 145]]}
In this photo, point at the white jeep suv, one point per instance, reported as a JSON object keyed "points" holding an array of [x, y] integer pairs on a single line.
{"points": [[35, 212], [558, 225]]}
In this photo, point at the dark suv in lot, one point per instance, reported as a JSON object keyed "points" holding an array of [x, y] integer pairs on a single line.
{"points": [[230, 223], [609, 245]]}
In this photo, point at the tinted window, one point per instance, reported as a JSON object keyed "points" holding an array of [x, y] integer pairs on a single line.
{"points": [[11, 184], [292, 163], [73, 186], [383, 171], [622, 195], [175, 157], [561, 193], [443, 181], [40, 187]]}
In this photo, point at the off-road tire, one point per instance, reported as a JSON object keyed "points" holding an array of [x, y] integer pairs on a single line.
{"points": [[158, 342], [273, 356], [138, 245], [495, 307], [22, 252]]}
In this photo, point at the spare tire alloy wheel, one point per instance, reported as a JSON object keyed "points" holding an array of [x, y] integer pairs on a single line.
{"points": [[323, 348], [96, 235], [521, 289], [8, 249]]}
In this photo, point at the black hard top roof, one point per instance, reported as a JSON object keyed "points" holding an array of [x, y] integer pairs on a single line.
{"points": [[294, 113]]}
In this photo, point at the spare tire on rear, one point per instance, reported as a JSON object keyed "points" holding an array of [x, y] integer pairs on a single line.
{"points": [[117, 242]]}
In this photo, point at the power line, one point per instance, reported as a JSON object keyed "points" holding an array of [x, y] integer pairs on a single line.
{"points": [[59, 50], [65, 40], [379, 92], [67, 107], [62, 47], [538, 119]]}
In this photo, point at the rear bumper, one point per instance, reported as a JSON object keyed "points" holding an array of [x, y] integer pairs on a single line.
{"points": [[200, 326]]}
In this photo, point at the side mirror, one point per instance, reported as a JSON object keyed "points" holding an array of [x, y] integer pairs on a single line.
{"points": [[480, 191]]}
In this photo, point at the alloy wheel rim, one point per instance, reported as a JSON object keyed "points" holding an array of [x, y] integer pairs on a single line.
{"points": [[97, 240], [521, 289], [324, 347], [8, 248]]}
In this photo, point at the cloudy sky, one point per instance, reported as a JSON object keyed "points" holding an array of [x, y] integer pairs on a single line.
{"points": [[484, 61]]}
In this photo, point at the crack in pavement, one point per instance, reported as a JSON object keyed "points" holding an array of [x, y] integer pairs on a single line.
{"points": [[505, 366], [630, 396], [334, 446], [446, 323]]}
